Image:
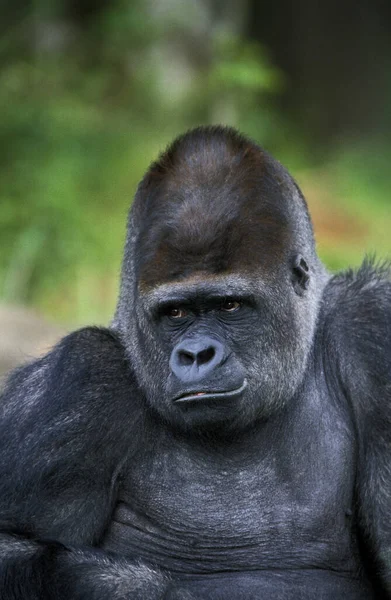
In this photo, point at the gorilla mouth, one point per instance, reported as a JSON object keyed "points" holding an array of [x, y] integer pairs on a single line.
{"points": [[202, 396]]}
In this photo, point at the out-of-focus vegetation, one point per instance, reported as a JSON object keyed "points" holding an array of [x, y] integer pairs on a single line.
{"points": [[85, 105]]}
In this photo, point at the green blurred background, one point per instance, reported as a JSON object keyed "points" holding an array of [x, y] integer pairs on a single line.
{"points": [[91, 91]]}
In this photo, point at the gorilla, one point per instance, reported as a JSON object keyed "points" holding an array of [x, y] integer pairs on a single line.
{"points": [[228, 437]]}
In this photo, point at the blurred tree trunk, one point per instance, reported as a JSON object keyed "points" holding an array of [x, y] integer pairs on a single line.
{"points": [[337, 56]]}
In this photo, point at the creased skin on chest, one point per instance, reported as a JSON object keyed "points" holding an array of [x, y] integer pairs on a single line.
{"points": [[193, 513]]}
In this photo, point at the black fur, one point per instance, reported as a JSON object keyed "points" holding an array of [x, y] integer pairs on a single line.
{"points": [[229, 436]]}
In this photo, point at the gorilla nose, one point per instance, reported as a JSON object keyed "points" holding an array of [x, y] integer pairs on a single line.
{"points": [[193, 359]]}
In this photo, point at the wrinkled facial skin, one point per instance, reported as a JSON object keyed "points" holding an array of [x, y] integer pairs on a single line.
{"points": [[223, 355], [226, 283]]}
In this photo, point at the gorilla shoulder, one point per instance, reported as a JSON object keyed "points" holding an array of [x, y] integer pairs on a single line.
{"points": [[357, 315], [87, 350]]}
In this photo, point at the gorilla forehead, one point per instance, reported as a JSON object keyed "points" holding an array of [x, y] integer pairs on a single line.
{"points": [[213, 203]]}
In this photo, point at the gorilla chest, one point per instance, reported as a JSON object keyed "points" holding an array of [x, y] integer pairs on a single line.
{"points": [[193, 511]]}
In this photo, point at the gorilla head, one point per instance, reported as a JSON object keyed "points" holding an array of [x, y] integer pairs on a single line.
{"points": [[220, 284]]}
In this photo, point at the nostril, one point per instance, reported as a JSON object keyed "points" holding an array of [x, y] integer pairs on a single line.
{"points": [[195, 358], [205, 356], [185, 359]]}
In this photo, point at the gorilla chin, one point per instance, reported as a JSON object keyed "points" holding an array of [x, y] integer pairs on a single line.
{"points": [[215, 413], [212, 409]]}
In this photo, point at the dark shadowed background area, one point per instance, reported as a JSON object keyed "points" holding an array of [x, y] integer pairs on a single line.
{"points": [[92, 90]]}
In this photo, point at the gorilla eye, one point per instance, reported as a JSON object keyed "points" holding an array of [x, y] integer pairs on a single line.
{"points": [[230, 306], [176, 313]]}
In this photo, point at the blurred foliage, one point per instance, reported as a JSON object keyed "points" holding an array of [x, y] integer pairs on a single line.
{"points": [[83, 112]]}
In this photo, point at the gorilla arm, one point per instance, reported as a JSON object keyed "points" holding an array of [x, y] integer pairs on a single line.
{"points": [[365, 322], [65, 430]]}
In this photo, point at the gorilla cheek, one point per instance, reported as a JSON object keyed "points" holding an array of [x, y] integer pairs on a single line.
{"points": [[151, 363], [274, 368]]}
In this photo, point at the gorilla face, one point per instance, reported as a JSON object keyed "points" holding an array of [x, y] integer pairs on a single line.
{"points": [[226, 283], [227, 351]]}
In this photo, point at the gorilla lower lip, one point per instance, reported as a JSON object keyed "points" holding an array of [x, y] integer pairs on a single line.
{"points": [[211, 395]]}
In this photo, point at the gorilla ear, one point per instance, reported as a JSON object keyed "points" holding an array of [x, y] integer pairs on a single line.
{"points": [[300, 275]]}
